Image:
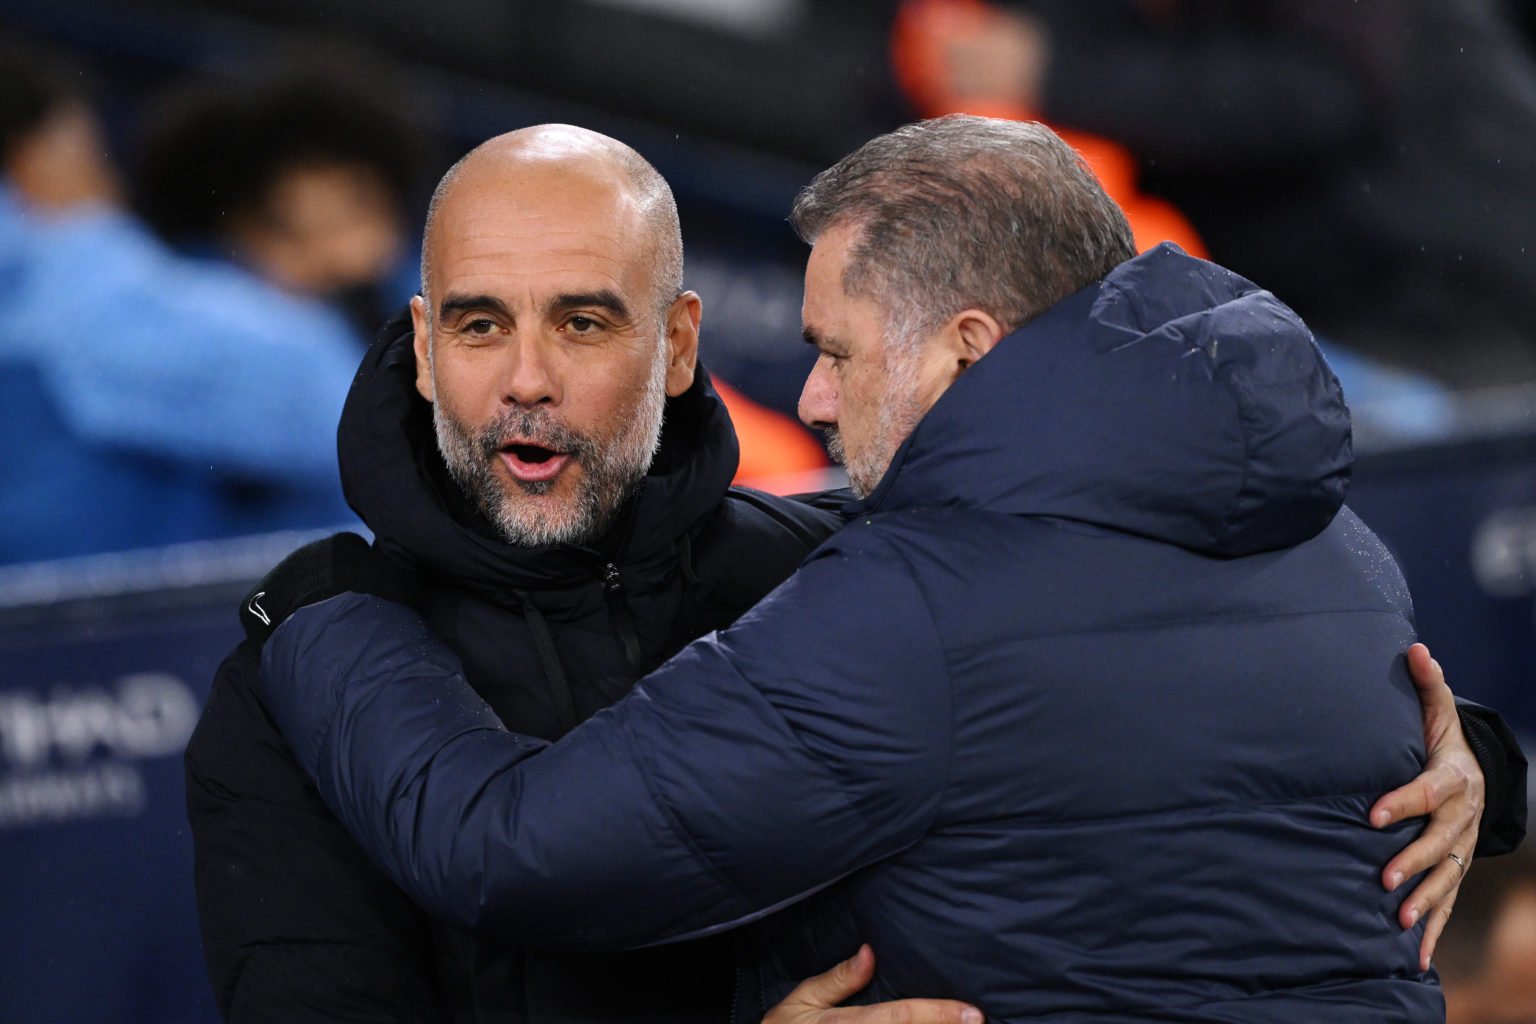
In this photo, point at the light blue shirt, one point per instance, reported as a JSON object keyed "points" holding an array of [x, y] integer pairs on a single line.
{"points": [[153, 398]]}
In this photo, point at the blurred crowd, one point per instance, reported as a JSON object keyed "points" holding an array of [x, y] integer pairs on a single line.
{"points": [[195, 272], [178, 343]]}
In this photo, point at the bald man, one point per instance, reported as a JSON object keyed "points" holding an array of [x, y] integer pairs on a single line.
{"points": [[547, 475]]}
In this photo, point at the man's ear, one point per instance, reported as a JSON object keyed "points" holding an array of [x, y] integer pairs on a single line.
{"points": [[423, 352], [683, 341], [971, 334]]}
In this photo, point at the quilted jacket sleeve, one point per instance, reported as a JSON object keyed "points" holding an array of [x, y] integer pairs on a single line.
{"points": [[758, 766]]}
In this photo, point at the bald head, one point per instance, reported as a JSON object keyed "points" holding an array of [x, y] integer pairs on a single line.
{"points": [[518, 167], [552, 328]]}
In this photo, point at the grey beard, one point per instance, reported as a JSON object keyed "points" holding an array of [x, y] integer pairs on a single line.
{"points": [[835, 451], [864, 472], [612, 470], [835, 446], [898, 416]]}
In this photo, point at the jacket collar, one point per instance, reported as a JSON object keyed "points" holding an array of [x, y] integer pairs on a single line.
{"points": [[1174, 400], [394, 479]]}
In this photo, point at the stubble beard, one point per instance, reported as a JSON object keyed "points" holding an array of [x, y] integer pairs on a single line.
{"points": [[612, 467], [897, 417]]}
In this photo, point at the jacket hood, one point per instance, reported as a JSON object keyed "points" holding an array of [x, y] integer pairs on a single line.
{"points": [[1173, 400], [395, 480]]}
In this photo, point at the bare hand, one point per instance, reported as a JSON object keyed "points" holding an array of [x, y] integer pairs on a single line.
{"points": [[815, 1001], [1450, 791]]}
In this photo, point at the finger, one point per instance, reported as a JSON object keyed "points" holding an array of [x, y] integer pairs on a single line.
{"points": [[912, 1011], [1437, 704], [1425, 670], [1434, 847], [1443, 881], [832, 987], [1435, 785], [1432, 929]]}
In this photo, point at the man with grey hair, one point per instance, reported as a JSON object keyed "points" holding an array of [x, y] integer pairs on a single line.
{"points": [[1030, 723], [918, 207]]}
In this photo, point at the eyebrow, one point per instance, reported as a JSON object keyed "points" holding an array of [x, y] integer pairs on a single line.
{"points": [[455, 304], [603, 298], [821, 341]]}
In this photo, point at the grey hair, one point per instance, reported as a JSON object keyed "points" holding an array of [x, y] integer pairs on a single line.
{"points": [[966, 212], [658, 208]]}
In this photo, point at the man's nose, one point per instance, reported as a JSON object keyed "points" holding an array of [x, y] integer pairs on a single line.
{"points": [[530, 376], [818, 399]]}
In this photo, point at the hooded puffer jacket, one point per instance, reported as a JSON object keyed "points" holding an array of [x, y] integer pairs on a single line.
{"points": [[298, 925], [1079, 718]]}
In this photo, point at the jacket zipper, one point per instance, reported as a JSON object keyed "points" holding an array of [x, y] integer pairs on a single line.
{"points": [[618, 609]]}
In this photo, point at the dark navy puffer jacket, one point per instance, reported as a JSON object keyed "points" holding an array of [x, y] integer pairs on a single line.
{"points": [[1080, 719]]}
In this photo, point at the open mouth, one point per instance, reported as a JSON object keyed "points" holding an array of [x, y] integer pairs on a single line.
{"points": [[531, 453], [533, 463]]}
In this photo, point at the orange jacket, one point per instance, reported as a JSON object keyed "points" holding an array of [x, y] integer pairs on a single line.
{"points": [[777, 454], [918, 39]]}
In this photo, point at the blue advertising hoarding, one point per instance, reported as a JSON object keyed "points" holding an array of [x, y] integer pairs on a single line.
{"points": [[105, 664]]}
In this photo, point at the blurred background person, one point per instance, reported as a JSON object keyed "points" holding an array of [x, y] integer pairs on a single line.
{"points": [[301, 175], [1487, 954], [1372, 162], [149, 398]]}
